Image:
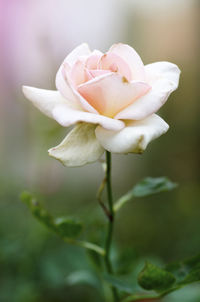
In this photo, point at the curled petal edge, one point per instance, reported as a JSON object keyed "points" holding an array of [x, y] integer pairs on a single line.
{"points": [[79, 147], [134, 138]]}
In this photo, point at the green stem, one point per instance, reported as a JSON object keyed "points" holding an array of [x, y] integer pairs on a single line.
{"points": [[99, 194], [111, 218], [123, 200], [86, 245]]}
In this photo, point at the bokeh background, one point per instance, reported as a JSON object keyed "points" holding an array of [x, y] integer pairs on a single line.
{"points": [[35, 37]]}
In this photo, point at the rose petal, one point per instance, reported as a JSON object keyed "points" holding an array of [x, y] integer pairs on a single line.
{"points": [[81, 102], [79, 147], [45, 100], [134, 138], [65, 89], [67, 116], [163, 70], [131, 57], [164, 78], [111, 93], [81, 50], [115, 63], [92, 61], [97, 72], [78, 73], [61, 84]]}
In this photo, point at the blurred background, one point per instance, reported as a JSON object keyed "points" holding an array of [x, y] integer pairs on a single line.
{"points": [[35, 37]]}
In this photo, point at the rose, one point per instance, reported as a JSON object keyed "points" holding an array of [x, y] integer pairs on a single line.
{"points": [[111, 97]]}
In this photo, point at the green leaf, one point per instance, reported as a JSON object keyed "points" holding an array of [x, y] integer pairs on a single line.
{"points": [[67, 227], [120, 284], [186, 271], [153, 277], [63, 226], [175, 276], [151, 185], [193, 276], [148, 186], [26, 197], [37, 210]]}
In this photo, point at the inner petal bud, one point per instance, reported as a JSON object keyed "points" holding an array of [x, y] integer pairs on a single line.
{"points": [[92, 61], [112, 93], [115, 63]]}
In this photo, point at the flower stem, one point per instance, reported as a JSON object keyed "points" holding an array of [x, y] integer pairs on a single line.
{"points": [[111, 219], [99, 194]]}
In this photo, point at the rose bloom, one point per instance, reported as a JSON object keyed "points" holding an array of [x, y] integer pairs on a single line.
{"points": [[111, 98]]}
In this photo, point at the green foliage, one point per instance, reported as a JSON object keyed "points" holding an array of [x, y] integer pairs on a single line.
{"points": [[154, 278], [153, 185], [65, 227], [36, 209], [148, 186], [187, 271], [164, 281], [35, 265]]}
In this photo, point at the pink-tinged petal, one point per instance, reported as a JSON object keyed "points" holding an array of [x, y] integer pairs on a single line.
{"points": [[164, 79], [65, 88], [111, 93], [88, 74], [78, 74], [93, 60], [45, 100], [79, 147], [131, 57], [80, 100], [62, 86], [134, 138], [66, 116], [92, 73], [115, 63], [97, 73], [81, 50]]}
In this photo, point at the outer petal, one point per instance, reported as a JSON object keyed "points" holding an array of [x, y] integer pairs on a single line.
{"points": [[45, 100], [67, 116], [79, 147], [65, 89], [61, 84], [111, 93], [81, 50], [134, 138], [131, 57], [164, 79]]}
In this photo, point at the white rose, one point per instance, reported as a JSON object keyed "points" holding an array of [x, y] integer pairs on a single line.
{"points": [[111, 97]]}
